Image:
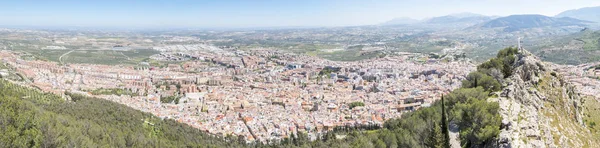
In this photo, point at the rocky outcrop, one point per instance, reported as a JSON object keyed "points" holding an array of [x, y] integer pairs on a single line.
{"points": [[539, 109]]}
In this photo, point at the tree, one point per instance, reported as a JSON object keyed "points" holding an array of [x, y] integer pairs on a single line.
{"points": [[478, 120], [476, 79], [436, 138], [47, 120], [380, 144], [463, 94], [356, 104], [445, 125]]}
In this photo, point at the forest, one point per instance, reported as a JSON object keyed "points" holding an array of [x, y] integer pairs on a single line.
{"points": [[29, 118]]}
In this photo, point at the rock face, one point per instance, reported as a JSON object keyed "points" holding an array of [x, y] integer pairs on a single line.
{"points": [[539, 109]]}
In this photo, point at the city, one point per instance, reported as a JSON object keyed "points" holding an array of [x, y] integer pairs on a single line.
{"points": [[260, 94], [270, 74]]}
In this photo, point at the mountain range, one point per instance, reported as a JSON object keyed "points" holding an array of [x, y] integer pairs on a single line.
{"points": [[518, 22], [400, 21], [588, 14], [577, 17], [456, 19]]}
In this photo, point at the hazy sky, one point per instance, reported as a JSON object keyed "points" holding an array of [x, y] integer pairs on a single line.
{"points": [[258, 13]]}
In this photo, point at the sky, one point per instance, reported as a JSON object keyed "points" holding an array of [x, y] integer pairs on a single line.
{"points": [[257, 13]]}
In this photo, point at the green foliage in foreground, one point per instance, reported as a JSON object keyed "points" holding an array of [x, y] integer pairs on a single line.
{"points": [[29, 118]]}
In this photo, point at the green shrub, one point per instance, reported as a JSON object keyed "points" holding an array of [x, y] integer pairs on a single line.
{"points": [[356, 104]]}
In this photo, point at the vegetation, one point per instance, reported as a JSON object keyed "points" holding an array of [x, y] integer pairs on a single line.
{"points": [[112, 91], [476, 79], [352, 54], [29, 118], [586, 49], [169, 99], [108, 57], [356, 104], [327, 71], [478, 121], [503, 62], [592, 115]]}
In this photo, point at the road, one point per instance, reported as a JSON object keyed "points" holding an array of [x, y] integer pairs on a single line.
{"points": [[60, 58]]}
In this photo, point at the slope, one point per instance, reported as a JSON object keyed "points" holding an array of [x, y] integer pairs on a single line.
{"points": [[518, 22], [589, 14], [29, 118], [540, 109], [576, 48]]}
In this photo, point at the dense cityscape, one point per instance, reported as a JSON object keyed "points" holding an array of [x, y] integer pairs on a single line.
{"points": [[259, 94], [358, 74]]}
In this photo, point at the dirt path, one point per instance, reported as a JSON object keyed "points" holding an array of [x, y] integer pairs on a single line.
{"points": [[454, 136]]}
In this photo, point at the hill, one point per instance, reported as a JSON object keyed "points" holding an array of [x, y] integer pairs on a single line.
{"points": [[576, 48], [540, 108], [588, 14], [518, 22], [461, 19], [29, 118]]}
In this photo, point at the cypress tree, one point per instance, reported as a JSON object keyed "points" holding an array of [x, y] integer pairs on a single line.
{"points": [[474, 86], [445, 125]]}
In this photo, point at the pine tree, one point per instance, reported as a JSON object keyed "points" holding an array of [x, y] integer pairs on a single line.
{"points": [[436, 138]]}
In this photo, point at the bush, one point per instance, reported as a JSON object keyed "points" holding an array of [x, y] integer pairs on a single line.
{"points": [[476, 79], [502, 62], [169, 99]]}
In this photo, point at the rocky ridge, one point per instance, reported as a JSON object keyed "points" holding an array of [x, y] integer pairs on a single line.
{"points": [[539, 108]]}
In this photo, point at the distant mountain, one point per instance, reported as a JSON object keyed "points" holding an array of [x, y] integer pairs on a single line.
{"points": [[452, 19], [588, 14], [400, 21], [459, 19], [518, 22], [463, 18], [465, 15]]}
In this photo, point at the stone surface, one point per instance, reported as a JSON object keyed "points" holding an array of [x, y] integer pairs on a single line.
{"points": [[522, 107]]}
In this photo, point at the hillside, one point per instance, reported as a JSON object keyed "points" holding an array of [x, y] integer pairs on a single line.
{"points": [[29, 118], [576, 48], [518, 22], [459, 19], [540, 109], [588, 14]]}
